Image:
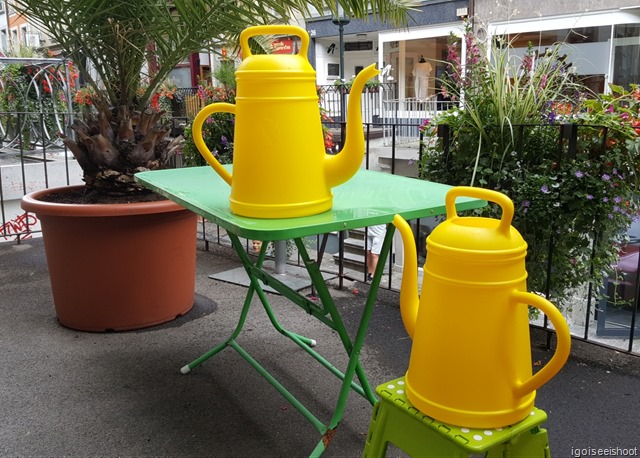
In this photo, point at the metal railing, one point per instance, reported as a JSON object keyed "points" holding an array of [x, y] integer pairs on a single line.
{"points": [[407, 112], [28, 167], [187, 103], [332, 98]]}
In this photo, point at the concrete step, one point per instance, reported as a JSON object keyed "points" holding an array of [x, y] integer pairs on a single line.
{"points": [[356, 234], [352, 261], [354, 246]]}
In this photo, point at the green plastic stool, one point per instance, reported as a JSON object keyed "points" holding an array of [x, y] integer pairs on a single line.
{"points": [[396, 421]]}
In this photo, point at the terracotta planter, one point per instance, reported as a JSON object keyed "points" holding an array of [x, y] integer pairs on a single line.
{"points": [[117, 267]]}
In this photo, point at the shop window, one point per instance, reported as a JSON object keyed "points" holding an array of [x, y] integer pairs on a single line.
{"points": [[626, 54]]}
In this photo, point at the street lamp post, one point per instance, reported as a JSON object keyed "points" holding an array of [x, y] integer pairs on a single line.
{"points": [[341, 20]]}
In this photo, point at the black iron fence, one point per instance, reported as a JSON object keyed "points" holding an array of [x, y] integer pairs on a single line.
{"points": [[26, 166], [606, 307], [333, 98]]}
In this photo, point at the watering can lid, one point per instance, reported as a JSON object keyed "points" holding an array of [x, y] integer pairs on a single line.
{"points": [[276, 62], [476, 234]]}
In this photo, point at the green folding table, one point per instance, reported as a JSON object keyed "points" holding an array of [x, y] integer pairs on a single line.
{"points": [[368, 199]]}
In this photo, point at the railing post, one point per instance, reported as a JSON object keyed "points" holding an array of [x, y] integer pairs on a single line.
{"points": [[444, 133], [570, 131]]}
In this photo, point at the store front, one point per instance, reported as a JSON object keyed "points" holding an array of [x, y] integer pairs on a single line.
{"points": [[601, 48], [417, 58]]}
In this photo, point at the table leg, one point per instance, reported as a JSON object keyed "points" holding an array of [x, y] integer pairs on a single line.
{"points": [[280, 253], [354, 367], [236, 332], [328, 314]]}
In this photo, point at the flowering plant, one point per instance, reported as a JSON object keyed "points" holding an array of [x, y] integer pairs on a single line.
{"points": [[570, 164], [217, 130], [29, 89], [162, 100], [86, 97], [326, 120]]}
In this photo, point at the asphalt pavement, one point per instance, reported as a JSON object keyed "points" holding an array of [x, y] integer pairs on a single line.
{"points": [[71, 393]]}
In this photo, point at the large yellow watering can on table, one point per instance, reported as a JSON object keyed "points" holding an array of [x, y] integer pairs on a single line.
{"points": [[470, 361], [280, 165]]}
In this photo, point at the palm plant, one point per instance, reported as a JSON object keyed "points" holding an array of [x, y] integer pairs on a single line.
{"points": [[116, 44]]}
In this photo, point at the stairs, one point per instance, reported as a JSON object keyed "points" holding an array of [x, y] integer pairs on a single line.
{"points": [[354, 254]]}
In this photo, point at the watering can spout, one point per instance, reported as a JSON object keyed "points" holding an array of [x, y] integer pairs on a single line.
{"points": [[409, 298], [341, 167]]}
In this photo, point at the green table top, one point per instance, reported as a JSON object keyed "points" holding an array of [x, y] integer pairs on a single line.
{"points": [[367, 199]]}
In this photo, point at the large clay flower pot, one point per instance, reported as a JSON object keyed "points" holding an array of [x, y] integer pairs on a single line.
{"points": [[117, 266]]}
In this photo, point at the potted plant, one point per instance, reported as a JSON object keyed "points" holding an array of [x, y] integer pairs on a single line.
{"points": [[569, 159], [218, 131], [373, 85], [343, 85], [115, 45]]}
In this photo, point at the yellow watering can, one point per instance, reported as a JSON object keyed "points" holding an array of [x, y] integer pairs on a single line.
{"points": [[280, 165], [470, 360]]}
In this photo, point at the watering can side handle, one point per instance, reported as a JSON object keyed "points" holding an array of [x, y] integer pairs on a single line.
{"points": [[486, 194], [561, 354], [276, 29], [196, 130]]}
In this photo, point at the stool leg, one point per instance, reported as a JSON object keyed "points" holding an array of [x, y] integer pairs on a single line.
{"points": [[531, 444], [389, 424], [376, 446], [534, 444]]}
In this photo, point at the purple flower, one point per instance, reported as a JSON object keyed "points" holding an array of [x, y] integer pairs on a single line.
{"points": [[606, 177], [544, 189], [224, 141], [543, 80], [526, 203], [589, 197], [605, 199], [579, 174], [201, 93]]}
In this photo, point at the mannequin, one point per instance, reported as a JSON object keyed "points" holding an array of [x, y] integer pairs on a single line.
{"points": [[421, 72]]}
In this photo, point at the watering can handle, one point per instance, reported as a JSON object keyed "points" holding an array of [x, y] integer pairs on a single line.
{"points": [[563, 335], [278, 29], [480, 193], [196, 131]]}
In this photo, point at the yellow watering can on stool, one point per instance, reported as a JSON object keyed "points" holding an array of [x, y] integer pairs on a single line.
{"points": [[280, 165], [470, 360]]}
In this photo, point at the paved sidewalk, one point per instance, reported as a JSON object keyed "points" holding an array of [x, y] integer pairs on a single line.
{"points": [[69, 393]]}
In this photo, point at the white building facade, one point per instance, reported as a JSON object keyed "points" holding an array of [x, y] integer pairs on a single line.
{"points": [[601, 39]]}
